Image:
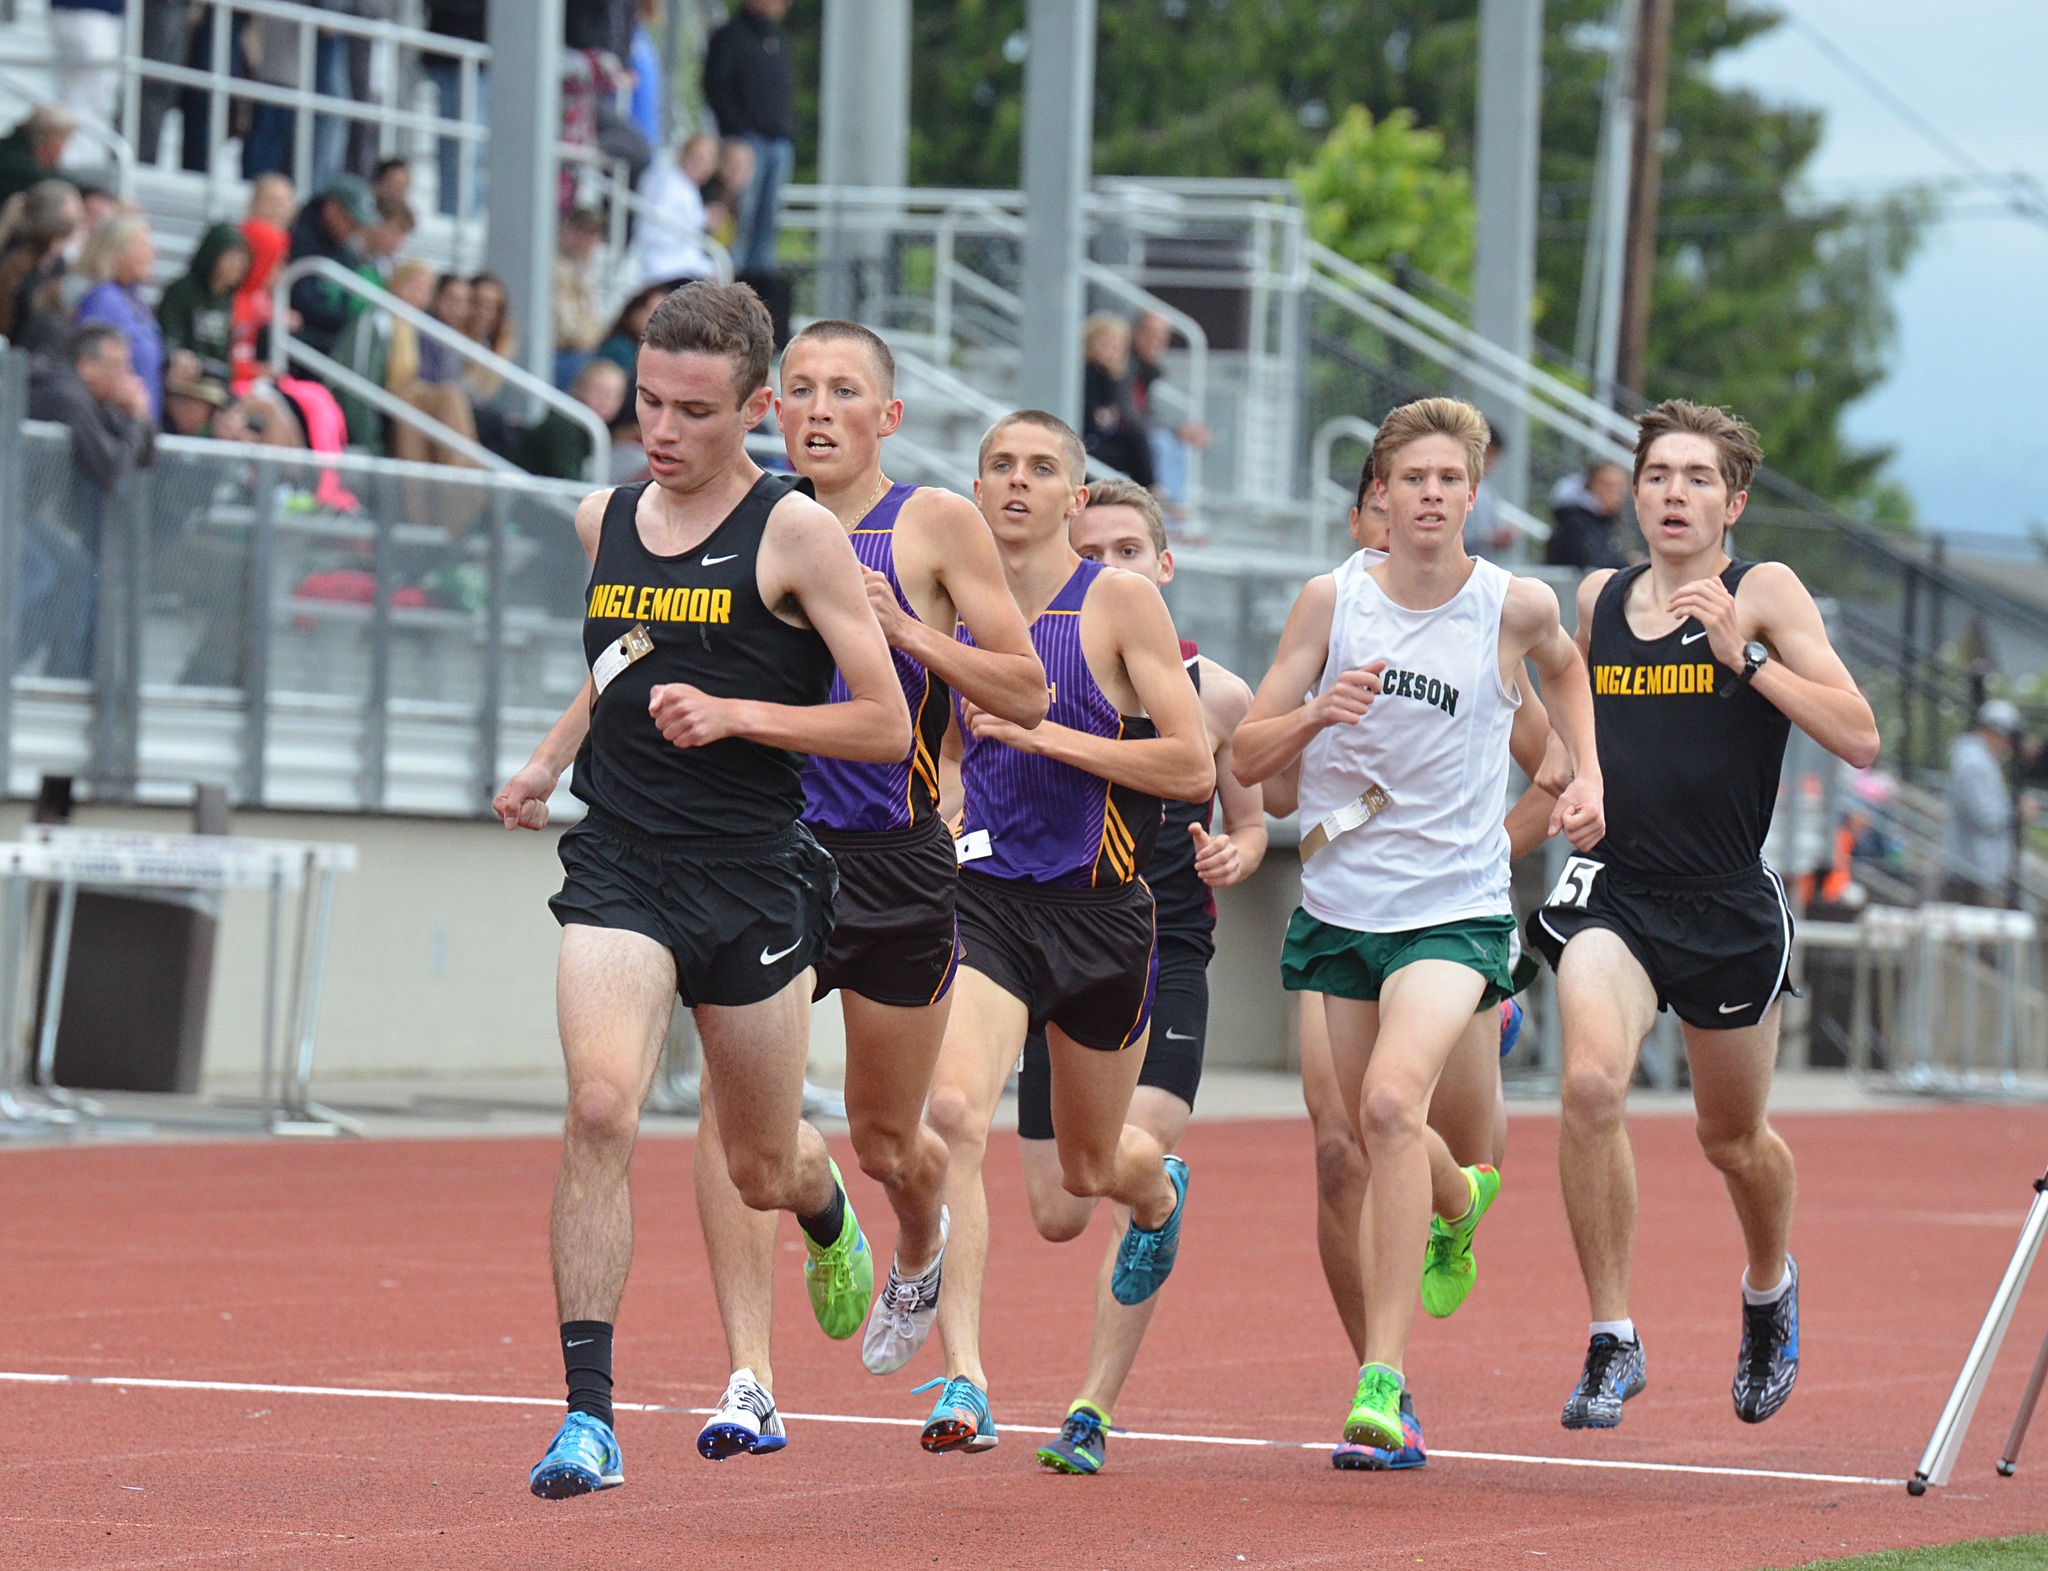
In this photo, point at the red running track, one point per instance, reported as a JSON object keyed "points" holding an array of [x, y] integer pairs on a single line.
{"points": [[423, 1267]]}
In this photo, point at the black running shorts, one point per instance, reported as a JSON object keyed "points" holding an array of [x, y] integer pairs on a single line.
{"points": [[1717, 950], [744, 917], [894, 936], [1083, 959], [1173, 1053]]}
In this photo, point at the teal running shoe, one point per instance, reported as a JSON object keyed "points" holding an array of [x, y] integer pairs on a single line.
{"points": [[583, 1458], [1145, 1258], [960, 1418]]}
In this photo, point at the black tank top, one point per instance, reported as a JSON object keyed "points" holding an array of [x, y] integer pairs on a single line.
{"points": [[704, 613], [1182, 904], [1691, 775]]}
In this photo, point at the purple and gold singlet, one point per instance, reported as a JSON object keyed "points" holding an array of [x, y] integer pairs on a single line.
{"points": [[878, 798], [1047, 822]]}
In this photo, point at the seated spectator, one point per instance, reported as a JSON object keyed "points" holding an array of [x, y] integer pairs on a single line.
{"points": [[117, 261], [330, 226], [578, 327], [197, 311], [273, 199], [34, 148], [1112, 429], [268, 242], [621, 346], [671, 245], [560, 447], [383, 240], [195, 408], [36, 226], [1586, 509], [490, 324], [392, 181], [439, 363], [427, 374], [1151, 337]]}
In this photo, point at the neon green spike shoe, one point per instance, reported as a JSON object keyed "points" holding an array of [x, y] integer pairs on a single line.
{"points": [[1376, 1411], [1448, 1270], [841, 1277]]}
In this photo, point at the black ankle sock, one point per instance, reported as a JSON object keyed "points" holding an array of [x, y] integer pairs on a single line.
{"points": [[827, 1225], [587, 1358]]}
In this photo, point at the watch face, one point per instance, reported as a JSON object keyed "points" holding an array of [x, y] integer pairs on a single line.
{"points": [[1754, 653]]}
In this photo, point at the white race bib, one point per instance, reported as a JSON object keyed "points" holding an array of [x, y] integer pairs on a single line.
{"points": [[973, 847], [635, 643]]}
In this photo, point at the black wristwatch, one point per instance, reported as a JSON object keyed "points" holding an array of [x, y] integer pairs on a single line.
{"points": [[1754, 655]]}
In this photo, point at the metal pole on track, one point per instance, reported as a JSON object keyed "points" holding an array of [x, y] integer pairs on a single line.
{"points": [[1059, 134], [2010, 1460]]}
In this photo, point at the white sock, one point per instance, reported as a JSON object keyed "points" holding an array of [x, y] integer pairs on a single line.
{"points": [[1769, 1295], [1620, 1330]]}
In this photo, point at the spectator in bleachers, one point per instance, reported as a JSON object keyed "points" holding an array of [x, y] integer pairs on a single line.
{"points": [[34, 148], [1977, 842], [86, 35], [384, 239], [199, 408], [273, 200], [166, 33], [384, 351], [271, 50], [118, 258], [392, 181], [559, 447], [671, 239], [341, 69], [621, 347], [1151, 337], [330, 226], [270, 211], [748, 85], [197, 311], [36, 228], [725, 193], [1586, 514], [578, 327], [454, 19], [450, 307], [1112, 429], [650, 94]]}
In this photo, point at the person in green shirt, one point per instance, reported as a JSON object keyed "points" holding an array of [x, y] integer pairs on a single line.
{"points": [[197, 310], [559, 447]]}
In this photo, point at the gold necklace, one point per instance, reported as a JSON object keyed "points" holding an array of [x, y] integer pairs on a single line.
{"points": [[881, 491]]}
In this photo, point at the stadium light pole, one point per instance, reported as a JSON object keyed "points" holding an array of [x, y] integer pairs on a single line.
{"points": [[1059, 134], [863, 133], [1504, 189], [525, 97]]}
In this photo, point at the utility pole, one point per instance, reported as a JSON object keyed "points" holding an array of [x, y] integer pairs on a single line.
{"points": [[1504, 188], [863, 136], [1653, 66], [525, 91], [1059, 136]]}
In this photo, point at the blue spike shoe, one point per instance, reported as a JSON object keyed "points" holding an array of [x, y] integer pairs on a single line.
{"points": [[583, 1458]]}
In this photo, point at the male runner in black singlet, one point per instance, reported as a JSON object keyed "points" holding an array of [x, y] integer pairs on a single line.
{"points": [[930, 564], [1122, 526], [1700, 665], [720, 601]]}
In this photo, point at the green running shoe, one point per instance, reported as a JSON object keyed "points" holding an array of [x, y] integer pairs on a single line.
{"points": [[1376, 1411], [1448, 1270], [841, 1278]]}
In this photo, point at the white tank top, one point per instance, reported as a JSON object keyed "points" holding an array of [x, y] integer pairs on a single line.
{"points": [[1435, 741]]}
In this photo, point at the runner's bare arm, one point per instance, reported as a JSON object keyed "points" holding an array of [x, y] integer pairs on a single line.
{"points": [[1233, 855], [1587, 597], [806, 559], [1282, 720], [999, 671], [523, 803], [1529, 623], [1528, 821], [1177, 762], [1804, 678]]}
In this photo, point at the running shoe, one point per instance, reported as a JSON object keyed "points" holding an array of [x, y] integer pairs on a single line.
{"points": [[960, 1419], [582, 1459], [1376, 1411], [841, 1275], [1769, 1360], [903, 1314], [1381, 1459], [1145, 1258], [1510, 1025], [1615, 1371], [1448, 1269], [746, 1420], [1082, 1445]]}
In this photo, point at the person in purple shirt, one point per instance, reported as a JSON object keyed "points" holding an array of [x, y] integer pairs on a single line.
{"points": [[1056, 823], [118, 259]]}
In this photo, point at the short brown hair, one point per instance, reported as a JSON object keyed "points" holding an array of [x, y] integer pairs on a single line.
{"points": [[1451, 417], [834, 330], [1072, 453], [704, 318], [1116, 491], [1734, 439]]}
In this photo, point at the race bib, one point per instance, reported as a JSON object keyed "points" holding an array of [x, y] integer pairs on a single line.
{"points": [[1575, 883], [1372, 801], [636, 643], [972, 847]]}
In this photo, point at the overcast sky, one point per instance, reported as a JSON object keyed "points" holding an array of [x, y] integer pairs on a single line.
{"points": [[1967, 400]]}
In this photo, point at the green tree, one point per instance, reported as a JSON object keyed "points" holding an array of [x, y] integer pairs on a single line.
{"points": [[1375, 192]]}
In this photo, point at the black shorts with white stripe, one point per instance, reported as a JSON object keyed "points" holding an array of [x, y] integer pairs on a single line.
{"points": [[1717, 950]]}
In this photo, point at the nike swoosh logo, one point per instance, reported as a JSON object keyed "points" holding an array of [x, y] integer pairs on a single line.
{"points": [[768, 960], [1693, 638], [1732, 1009], [584, 1343], [1178, 1036], [713, 561]]}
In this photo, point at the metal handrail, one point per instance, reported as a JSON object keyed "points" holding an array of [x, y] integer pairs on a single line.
{"points": [[283, 346]]}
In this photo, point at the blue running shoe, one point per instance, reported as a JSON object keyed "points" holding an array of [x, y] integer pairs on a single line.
{"points": [[1510, 1025], [1145, 1258], [745, 1420], [583, 1459], [1378, 1459], [960, 1418], [1615, 1371], [1769, 1360], [1082, 1445]]}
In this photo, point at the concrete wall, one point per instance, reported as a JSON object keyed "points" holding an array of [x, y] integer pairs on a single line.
{"points": [[442, 960]]}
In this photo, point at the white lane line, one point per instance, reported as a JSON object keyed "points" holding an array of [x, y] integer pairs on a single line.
{"points": [[253, 1388]]}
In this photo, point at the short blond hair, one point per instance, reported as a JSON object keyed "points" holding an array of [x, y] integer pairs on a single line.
{"points": [[1451, 417], [1074, 455], [1116, 491], [1735, 440]]}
